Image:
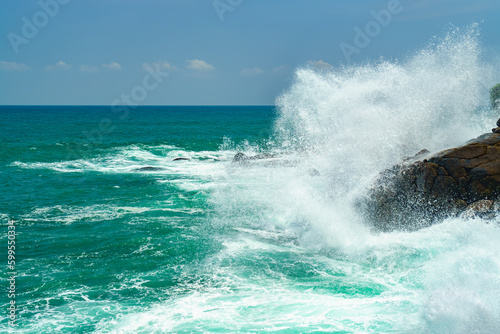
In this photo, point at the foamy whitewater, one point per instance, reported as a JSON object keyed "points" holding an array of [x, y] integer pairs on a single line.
{"points": [[206, 245]]}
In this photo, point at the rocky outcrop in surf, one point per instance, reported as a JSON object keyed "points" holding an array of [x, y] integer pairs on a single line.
{"points": [[427, 187], [262, 160], [149, 169]]}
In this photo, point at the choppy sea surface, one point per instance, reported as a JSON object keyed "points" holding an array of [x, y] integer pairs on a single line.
{"points": [[276, 245]]}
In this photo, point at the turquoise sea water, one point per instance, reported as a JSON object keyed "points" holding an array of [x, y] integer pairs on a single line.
{"points": [[202, 245], [95, 232]]}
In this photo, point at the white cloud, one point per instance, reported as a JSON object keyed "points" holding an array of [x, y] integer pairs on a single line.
{"points": [[319, 64], [199, 65], [59, 66], [12, 66], [114, 66], [88, 68], [160, 64], [251, 72]]}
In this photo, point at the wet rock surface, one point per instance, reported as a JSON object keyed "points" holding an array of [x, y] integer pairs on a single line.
{"points": [[262, 160], [425, 188], [149, 169]]}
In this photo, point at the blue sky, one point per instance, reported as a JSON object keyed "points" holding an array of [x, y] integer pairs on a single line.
{"points": [[222, 52]]}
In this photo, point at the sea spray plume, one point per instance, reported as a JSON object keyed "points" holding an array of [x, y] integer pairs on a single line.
{"points": [[363, 119], [350, 124], [398, 106]]}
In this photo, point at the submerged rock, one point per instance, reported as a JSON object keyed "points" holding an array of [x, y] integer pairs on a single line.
{"points": [[484, 205], [263, 160], [313, 172], [419, 191], [181, 159], [484, 208], [242, 157], [149, 169]]}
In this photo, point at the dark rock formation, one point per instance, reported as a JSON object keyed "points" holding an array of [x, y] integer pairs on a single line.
{"points": [[262, 160], [484, 208], [181, 159], [242, 157], [149, 169], [495, 97], [419, 191]]}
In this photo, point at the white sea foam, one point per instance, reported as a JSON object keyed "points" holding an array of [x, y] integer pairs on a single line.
{"points": [[349, 124], [201, 171], [71, 214]]}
